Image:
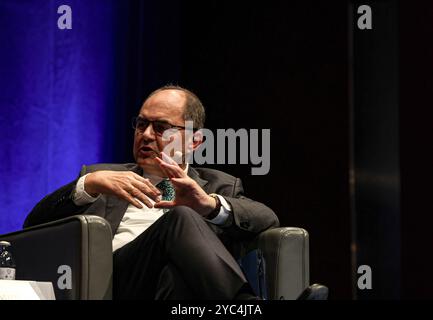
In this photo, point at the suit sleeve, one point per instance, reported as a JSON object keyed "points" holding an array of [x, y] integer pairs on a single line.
{"points": [[55, 206], [249, 217]]}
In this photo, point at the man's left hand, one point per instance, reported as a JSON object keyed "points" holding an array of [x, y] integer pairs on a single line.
{"points": [[188, 192]]}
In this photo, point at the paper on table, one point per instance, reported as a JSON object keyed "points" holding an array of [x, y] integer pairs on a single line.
{"points": [[21, 290]]}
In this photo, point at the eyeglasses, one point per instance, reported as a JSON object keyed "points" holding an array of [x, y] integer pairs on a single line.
{"points": [[140, 124]]}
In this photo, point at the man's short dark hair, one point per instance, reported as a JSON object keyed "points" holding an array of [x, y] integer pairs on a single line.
{"points": [[194, 109]]}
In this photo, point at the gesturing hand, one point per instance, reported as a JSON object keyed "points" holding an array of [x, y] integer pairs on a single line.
{"points": [[188, 192], [126, 185]]}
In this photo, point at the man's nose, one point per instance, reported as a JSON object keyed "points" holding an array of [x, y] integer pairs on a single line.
{"points": [[149, 134]]}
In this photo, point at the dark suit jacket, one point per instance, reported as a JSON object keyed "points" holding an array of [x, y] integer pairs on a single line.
{"points": [[247, 220]]}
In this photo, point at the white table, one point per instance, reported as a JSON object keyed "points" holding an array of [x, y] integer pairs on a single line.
{"points": [[26, 290]]}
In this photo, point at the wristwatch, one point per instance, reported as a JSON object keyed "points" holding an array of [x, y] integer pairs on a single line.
{"points": [[217, 209]]}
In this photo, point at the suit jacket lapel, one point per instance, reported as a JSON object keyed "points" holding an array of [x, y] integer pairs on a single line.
{"points": [[193, 174]]}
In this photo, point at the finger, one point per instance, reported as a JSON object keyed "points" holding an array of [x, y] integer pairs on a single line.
{"points": [[167, 174], [174, 170], [125, 195], [178, 157], [179, 181], [165, 204], [136, 193], [138, 177], [172, 161], [165, 168], [146, 182], [168, 159], [148, 189]]}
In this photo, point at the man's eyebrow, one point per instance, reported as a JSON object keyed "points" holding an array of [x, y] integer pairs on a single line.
{"points": [[159, 120], [163, 120]]}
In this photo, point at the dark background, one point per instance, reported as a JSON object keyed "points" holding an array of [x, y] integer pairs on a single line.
{"points": [[416, 153]]}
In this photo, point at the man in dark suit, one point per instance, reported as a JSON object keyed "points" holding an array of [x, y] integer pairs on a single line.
{"points": [[177, 231]]}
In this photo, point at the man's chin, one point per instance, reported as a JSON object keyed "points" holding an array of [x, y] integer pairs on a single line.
{"points": [[147, 161], [149, 165]]}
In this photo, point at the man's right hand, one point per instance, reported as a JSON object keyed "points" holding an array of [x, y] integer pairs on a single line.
{"points": [[126, 185]]}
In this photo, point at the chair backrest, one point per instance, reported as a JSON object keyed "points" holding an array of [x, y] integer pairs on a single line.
{"points": [[75, 254], [277, 263]]}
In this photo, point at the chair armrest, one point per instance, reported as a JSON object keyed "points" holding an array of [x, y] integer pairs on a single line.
{"points": [[285, 253], [83, 242]]}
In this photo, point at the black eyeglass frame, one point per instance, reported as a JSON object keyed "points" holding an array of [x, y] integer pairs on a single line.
{"points": [[159, 132]]}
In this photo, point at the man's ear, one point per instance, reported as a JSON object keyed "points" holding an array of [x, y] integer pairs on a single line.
{"points": [[197, 139]]}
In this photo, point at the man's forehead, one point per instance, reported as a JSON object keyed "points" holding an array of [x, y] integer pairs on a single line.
{"points": [[169, 100]]}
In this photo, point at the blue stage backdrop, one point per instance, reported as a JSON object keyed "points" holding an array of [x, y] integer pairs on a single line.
{"points": [[57, 97]]}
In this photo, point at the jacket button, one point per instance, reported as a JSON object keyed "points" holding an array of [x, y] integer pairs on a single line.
{"points": [[245, 224]]}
